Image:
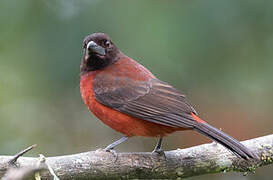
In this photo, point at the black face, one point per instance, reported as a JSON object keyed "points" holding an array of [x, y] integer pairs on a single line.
{"points": [[99, 52]]}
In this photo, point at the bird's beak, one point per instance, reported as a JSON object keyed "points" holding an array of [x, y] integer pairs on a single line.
{"points": [[95, 48]]}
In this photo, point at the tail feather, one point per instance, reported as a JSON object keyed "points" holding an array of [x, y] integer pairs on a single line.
{"points": [[227, 141]]}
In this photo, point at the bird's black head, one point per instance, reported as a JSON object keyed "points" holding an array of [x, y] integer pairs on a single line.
{"points": [[99, 52]]}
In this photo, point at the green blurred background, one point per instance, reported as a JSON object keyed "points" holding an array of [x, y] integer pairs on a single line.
{"points": [[219, 53]]}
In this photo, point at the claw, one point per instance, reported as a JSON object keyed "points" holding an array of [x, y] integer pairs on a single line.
{"points": [[159, 152], [113, 152]]}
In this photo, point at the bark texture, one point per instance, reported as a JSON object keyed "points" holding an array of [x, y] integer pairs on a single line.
{"points": [[180, 163]]}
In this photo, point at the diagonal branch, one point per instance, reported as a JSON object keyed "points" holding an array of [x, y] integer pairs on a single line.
{"points": [[21, 153], [198, 160]]}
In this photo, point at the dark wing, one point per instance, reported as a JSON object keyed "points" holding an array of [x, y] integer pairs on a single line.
{"points": [[154, 101]]}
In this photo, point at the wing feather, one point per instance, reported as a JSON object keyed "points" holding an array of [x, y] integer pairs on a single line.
{"points": [[154, 101]]}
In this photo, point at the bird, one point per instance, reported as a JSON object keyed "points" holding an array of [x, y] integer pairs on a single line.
{"points": [[127, 97]]}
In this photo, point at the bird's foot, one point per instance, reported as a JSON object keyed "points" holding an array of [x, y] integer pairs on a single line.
{"points": [[109, 150], [159, 152], [112, 151]]}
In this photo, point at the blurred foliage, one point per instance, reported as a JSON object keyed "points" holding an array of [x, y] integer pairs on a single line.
{"points": [[219, 53]]}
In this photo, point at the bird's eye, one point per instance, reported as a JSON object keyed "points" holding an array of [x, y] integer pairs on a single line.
{"points": [[107, 43]]}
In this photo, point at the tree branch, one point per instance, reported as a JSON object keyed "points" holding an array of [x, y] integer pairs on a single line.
{"points": [[198, 160], [19, 154]]}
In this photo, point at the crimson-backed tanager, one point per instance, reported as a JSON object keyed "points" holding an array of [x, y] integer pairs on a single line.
{"points": [[127, 97]]}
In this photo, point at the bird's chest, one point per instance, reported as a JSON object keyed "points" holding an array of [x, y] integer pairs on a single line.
{"points": [[86, 86], [116, 120], [88, 96]]}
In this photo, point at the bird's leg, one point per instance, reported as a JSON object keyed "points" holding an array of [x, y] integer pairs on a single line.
{"points": [[114, 144], [158, 147]]}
